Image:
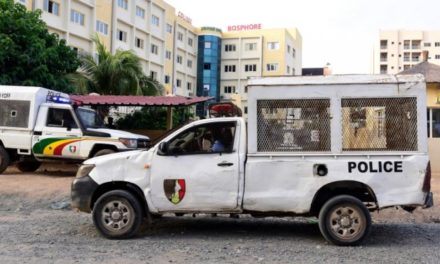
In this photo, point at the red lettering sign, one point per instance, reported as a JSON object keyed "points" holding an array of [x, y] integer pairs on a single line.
{"points": [[244, 27]]}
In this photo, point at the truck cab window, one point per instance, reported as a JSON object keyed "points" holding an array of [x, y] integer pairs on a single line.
{"points": [[209, 138], [60, 118]]}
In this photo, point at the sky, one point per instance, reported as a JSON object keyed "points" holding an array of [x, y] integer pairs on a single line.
{"points": [[340, 32]]}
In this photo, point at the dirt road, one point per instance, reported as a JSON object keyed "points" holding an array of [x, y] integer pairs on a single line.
{"points": [[36, 227]]}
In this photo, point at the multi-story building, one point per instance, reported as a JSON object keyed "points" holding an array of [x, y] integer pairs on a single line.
{"points": [[400, 50], [227, 60], [187, 60]]}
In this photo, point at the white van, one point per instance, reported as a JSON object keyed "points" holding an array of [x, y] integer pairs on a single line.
{"points": [[333, 147], [38, 124]]}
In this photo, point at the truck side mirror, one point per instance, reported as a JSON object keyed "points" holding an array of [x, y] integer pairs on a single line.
{"points": [[163, 148]]}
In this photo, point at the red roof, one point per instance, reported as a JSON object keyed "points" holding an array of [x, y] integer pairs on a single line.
{"points": [[122, 100]]}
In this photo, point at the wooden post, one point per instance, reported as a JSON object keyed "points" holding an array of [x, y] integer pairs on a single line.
{"points": [[169, 118]]}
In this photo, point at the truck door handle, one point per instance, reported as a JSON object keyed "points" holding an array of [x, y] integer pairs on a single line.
{"points": [[225, 164]]}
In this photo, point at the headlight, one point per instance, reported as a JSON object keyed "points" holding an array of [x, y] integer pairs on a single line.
{"points": [[129, 142], [84, 170]]}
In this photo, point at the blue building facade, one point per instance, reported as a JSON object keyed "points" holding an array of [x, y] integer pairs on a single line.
{"points": [[208, 68]]}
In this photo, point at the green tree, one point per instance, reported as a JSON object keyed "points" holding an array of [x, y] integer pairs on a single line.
{"points": [[117, 74], [29, 54]]}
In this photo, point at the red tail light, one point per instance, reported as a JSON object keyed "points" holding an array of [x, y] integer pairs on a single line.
{"points": [[427, 182]]}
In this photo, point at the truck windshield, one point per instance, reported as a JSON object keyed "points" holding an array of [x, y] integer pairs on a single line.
{"points": [[89, 118]]}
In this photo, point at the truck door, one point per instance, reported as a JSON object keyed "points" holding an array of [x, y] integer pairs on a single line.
{"points": [[198, 170], [59, 136]]}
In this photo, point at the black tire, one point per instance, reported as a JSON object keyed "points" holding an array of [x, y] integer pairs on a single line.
{"points": [[28, 165], [108, 215], [344, 221], [103, 152], [4, 159]]}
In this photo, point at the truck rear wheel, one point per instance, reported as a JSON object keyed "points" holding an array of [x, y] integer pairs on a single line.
{"points": [[28, 165], [4, 159], [118, 214], [344, 220]]}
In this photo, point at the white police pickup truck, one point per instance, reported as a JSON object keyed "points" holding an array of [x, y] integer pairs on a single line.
{"points": [[335, 147], [38, 124]]}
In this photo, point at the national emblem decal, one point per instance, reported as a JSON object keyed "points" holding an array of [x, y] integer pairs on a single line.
{"points": [[174, 190], [72, 149]]}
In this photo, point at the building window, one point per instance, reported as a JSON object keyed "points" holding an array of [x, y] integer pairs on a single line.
{"points": [[189, 86], [229, 68], [154, 49], [383, 44], [437, 57], [101, 27], [168, 55], [427, 44], [139, 43], [288, 48], [179, 83], [189, 64], [51, 7], [229, 89], [206, 66], [153, 75], [406, 67], [169, 28], [208, 45], [167, 79], [123, 4], [272, 66], [383, 69], [245, 110], [190, 42], [288, 69], [155, 20], [180, 36], [76, 17], [406, 44], [229, 48], [437, 44], [250, 67], [250, 46], [293, 52], [273, 45], [122, 35], [140, 12], [179, 59]]}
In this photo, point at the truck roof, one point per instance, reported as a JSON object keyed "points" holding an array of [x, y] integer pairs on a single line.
{"points": [[336, 79]]}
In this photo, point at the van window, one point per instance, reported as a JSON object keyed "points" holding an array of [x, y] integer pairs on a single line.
{"points": [[60, 118], [379, 124], [293, 125]]}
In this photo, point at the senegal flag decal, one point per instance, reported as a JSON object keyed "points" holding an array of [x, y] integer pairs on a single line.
{"points": [[174, 190], [54, 146]]}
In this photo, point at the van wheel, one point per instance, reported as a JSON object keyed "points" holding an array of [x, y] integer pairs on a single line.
{"points": [[28, 165], [344, 220], [103, 152], [118, 214], [4, 159]]}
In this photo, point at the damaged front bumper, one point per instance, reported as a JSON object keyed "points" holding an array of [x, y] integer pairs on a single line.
{"points": [[82, 193], [429, 200]]}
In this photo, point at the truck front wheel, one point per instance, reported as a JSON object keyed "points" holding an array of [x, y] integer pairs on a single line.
{"points": [[4, 159], [344, 220], [118, 214], [103, 152], [28, 165]]}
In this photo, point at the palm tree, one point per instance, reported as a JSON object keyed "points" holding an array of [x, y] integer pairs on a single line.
{"points": [[118, 74]]}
